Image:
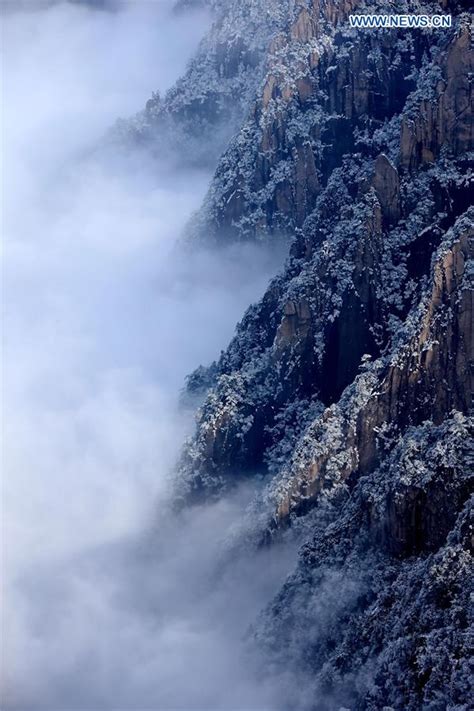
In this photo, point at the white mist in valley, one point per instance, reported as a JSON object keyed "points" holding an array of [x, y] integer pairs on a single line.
{"points": [[108, 602]]}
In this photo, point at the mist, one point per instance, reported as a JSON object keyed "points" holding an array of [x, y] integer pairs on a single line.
{"points": [[110, 602]]}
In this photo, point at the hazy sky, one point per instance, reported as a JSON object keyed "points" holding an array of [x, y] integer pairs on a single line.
{"points": [[108, 602]]}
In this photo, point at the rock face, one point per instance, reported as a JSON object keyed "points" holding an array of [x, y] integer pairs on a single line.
{"points": [[377, 613], [445, 115], [325, 88], [196, 118], [426, 377], [348, 387], [387, 187]]}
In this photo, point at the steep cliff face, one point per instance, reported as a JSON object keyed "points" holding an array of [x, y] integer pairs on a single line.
{"points": [[377, 613], [424, 378], [358, 278], [196, 118], [348, 387], [326, 90]]}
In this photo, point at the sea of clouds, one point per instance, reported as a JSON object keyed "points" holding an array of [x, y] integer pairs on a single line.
{"points": [[108, 601]]}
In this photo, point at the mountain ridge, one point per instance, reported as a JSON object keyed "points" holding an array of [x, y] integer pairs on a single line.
{"points": [[347, 389]]}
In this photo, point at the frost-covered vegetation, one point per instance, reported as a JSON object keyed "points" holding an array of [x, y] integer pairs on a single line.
{"points": [[378, 612], [346, 391], [196, 118]]}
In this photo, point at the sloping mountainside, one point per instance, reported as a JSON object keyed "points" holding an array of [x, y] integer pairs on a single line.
{"points": [[197, 117], [347, 389]]}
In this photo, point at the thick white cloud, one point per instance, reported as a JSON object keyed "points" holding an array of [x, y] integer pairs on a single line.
{"points": [[109, 603]]}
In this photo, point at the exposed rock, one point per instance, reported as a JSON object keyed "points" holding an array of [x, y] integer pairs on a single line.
{"points": [[366, 621], [445, 118], [324, 85], [427, 377], [295, 324], [198, 115], [387, 186], [349, 385]]}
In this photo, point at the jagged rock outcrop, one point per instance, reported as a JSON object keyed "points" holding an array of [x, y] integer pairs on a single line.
{"points": [[425, 378], [443, 118], [348, 388], [377, 613], [386, 182], [359, 267], [327, 86], [196, 118]]}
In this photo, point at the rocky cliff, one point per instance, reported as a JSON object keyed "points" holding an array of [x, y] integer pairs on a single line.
{"points": [[196, 118], [348, 387]]}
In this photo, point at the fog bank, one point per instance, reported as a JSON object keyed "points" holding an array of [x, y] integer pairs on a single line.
{"points": [[109, 602]]}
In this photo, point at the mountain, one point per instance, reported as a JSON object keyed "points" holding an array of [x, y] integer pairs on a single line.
{"points": [[197, 117], [348, 388]]}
